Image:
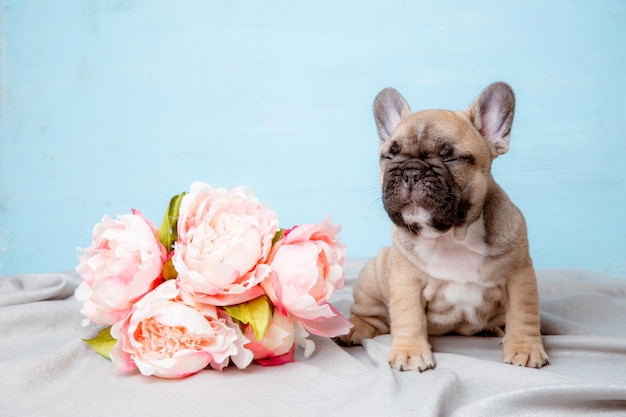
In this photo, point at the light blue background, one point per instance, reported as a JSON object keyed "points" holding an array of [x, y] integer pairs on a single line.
{"points": [[116, 104]]}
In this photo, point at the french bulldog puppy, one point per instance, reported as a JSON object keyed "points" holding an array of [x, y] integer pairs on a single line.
{"points": [[459, 262]]}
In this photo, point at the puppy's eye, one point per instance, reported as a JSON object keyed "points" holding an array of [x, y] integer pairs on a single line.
{"points": [[445, 153], [463, 159], [394, 150]]}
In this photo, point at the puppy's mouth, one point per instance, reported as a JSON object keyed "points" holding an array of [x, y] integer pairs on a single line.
{"points": [[419, 194]]}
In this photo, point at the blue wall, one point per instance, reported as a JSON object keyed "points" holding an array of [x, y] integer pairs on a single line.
{"points": [[110, 105]]}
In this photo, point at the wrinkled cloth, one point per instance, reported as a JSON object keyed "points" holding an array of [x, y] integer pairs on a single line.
{"points": [[47, 370]]}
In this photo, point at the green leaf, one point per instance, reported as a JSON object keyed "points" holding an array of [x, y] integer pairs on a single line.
{"points": [[168, 232], [102, 343], [278, 235], [257, 313], [169, 272]]}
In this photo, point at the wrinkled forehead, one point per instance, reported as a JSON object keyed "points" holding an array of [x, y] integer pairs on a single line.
{"points": [[432, 131]]}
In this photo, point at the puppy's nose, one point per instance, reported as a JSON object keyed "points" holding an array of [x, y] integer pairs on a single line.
{"points": [[411, 176]]}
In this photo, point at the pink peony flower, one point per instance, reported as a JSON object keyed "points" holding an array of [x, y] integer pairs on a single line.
{"points": [[306, 268], [223, 238], [123, 264], [278, 344], [167, 338]]}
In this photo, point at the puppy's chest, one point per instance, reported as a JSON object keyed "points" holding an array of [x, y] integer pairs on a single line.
{"points": [[459, 292], [443, 258]]}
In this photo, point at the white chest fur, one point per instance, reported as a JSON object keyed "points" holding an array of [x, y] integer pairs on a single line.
{"points": [[445, 258], [460, 295]]}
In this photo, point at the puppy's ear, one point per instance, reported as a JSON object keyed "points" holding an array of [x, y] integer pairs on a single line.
{"points": [[492, 114], [389, 109]]}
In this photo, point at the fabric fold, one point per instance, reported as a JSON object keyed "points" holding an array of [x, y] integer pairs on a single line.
{"points": [[29, 288], [47, 370]]}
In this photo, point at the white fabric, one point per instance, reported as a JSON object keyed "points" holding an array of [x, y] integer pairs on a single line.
{"points": [[46, 370]]}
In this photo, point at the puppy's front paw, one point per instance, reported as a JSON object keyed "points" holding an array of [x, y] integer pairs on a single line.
{"points": [[411, 358], [522, 351]]}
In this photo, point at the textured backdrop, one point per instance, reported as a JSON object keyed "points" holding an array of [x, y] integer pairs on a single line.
{"points": [[110, 105]]}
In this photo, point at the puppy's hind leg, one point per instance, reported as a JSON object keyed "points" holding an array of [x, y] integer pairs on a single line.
{"points": [[369, 313], [365, 326]]}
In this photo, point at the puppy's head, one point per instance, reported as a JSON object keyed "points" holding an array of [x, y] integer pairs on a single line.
{"points": [[435, 164]]}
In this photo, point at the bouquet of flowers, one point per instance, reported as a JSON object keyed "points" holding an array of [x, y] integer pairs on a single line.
{"points": [[218, 283]]}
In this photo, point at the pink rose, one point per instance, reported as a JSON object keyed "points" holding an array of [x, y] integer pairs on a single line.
{"points": [[223, 238], [124, 263], [306, 266], [167, 338], [279, 341]]}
